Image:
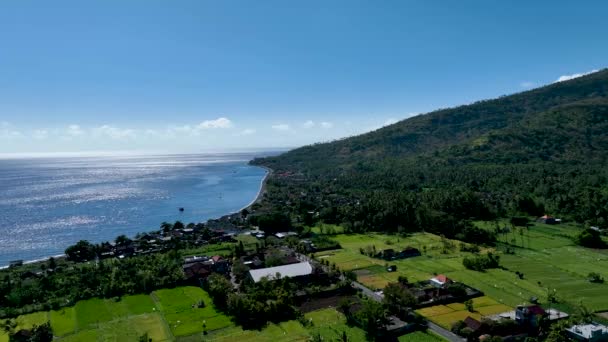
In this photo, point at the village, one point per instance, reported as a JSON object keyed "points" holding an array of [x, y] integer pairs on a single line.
{"points": [[251, 259]]}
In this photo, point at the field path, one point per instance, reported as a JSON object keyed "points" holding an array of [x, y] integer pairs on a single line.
{"points": [[162, 315]]}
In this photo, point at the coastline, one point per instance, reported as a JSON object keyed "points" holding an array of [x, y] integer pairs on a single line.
{"points": [[257, 199], [261, 192]]}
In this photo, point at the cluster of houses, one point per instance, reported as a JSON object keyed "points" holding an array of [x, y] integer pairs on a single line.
{"points": [[441, 290], [592, 332], [160, 241], [527, 318], [197, 268], [547, 219]]}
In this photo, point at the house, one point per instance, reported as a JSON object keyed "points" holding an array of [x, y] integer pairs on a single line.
{"points": [[200, 267], [282, 235], [440, 281], [593, 332], [395, 326], [529, 315], [472, 324], [547, 219], [522, 315], [300, 270], [197, 270]]}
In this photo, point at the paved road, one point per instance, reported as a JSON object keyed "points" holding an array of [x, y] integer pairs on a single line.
{"points": [[448, 335]]}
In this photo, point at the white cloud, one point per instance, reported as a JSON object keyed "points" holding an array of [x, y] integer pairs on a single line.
{"points": [[113, 132], [74, 131], [280, 127], [326, 124], [7, 131], [40, 134], [217, 123], [309, 124], [196, 130], [573, 76], [527, 84], [247, 131], [389, 121]]}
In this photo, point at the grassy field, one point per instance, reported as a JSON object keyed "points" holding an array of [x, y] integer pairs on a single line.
{"points": [[447, 315], [546, 254], [550, 261], [163, 315], [63, 321], [328, 323], [178, 306], [421, 336], [372, 272]]}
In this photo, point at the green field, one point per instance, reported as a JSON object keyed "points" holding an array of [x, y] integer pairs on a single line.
{"points": [[372, 272], [163, 315], [421, 336], [550, 261], [328, 323], [545, 254], [447, 315], [184, 319]]}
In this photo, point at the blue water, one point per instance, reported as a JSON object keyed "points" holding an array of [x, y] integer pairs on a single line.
{"points": [[47, 204]]}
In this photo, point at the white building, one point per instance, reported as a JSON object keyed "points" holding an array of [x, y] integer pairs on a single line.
{"points": [[593, 332], [300, 269]]}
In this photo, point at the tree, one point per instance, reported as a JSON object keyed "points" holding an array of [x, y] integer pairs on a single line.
{"points": [[81, 251], [219, 288], [398, 299], [274, 222], [595, 277], [166, 227], [52, 263], [178, 225], [469, 305], [590, 238], [38, 333], [372, 317], [122, 240], [9, 326], [344, 306], [144, 338]]}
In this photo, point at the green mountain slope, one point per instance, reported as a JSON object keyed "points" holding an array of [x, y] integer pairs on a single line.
{"points": [[538, 151], [498, 120]]}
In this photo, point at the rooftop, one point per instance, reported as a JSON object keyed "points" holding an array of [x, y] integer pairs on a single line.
{"points": [[292, 270], [589, 330], [441, 279]]}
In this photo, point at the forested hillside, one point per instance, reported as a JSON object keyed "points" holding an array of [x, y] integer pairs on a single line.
{"points": [[536, 152]]}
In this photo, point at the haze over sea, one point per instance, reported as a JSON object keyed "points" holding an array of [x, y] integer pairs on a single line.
{"points": [[48, 204]]}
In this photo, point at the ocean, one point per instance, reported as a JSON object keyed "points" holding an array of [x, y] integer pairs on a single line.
{"points": [[47, 204]]}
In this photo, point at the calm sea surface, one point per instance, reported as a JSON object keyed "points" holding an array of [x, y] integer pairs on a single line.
{"points": [[47, 204]]}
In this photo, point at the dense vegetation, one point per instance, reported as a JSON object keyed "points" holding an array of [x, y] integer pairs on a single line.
{"points": [[541, 151], [62, 283]]}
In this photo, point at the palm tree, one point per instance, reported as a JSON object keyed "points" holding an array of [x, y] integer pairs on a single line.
{"points": [[166, 226], [9, 326]]}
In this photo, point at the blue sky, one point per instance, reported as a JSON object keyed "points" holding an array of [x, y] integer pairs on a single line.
{"points": [[188, 76]]}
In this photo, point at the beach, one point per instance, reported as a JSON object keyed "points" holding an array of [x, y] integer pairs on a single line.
{"points": [[52, 204]]}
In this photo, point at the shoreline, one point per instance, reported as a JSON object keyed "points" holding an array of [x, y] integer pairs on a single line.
{"points": [[257, 199], [261, 192]]}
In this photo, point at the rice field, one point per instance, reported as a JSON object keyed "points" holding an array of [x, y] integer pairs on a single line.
{"points": [[162, 315], [447, 315], [545, 254], [184, 318]]}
